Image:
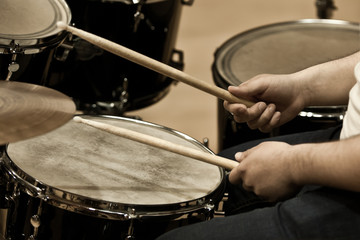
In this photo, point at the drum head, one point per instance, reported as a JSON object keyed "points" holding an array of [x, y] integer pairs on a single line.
{"points": [[92, 164], [31, 20], [284, 48]]}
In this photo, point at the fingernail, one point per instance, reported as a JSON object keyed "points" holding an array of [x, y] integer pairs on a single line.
{"points": [[262, 106], [238, 156]]}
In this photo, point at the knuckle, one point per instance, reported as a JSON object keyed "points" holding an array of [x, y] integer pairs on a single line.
{"points": [[252, 125]]}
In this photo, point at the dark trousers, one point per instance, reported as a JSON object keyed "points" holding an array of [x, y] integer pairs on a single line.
{"points": [[314, 213]]}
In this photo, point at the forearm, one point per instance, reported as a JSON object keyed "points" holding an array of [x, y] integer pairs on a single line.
{"points": [[328, 83], [332, 164]]}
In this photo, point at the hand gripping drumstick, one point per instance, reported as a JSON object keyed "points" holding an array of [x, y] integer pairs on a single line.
{"points": [[160, 143], [153, 64]]}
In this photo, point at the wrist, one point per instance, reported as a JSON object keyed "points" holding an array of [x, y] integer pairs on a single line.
{"points": [[304, 85], [299, 167]]}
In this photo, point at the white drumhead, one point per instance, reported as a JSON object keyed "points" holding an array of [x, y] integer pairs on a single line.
{"points": [[32, 19], [285, 48], [82, 160]]}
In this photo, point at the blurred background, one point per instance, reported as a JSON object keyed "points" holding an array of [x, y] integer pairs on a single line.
{"points": [[206, 25]]}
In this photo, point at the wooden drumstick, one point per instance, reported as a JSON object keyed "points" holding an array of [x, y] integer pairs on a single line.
{"points": [[160, 143], [153, 64]]}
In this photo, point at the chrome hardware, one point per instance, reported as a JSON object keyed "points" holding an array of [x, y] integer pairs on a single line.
{"points": [[13, 66], [206, 142], [138, 16], [36, 222], [116, 107], [132, 216], [62, 52]]}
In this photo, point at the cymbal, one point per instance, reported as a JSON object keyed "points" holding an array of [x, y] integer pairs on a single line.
{"points": [[28, 110]]}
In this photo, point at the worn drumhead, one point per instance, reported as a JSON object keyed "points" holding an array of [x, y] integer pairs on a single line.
{"points": [[82, 160], [284, 48], [31, 19]]}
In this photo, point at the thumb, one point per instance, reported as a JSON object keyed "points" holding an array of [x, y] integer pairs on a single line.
{"points": [[244, 91]]}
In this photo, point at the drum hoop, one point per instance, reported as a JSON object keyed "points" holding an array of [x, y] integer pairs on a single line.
{"points": [[107, 209], [219, 53]]}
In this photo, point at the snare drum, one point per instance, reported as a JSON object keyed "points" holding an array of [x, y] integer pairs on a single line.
{"points": [[78, 182], [280, 49], [28, 36]]}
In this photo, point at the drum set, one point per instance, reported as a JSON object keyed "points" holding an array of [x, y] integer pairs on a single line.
{"points": [[63, 180]]}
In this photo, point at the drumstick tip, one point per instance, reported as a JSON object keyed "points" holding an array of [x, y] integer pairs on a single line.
{"points": [[77, 119], [61, 25]]}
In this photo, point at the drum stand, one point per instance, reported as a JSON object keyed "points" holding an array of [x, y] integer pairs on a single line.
{"points": [[325, 8]]}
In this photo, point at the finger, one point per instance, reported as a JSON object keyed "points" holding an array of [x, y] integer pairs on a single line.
{"points": [[236, 90], [235, 176], [264, 118], [235, 108], [248, 114], [274, 122], [248, 187], [243, 91]]}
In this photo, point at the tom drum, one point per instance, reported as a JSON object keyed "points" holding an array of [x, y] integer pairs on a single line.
{"points": [[103, 83], [29, 36], [279, 49]]}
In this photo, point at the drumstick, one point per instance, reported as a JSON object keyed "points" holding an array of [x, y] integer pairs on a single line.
{"points": [[160, 143], [153, 64]]}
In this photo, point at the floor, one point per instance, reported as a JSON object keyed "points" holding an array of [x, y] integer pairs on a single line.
{"points": [[204, 26]]}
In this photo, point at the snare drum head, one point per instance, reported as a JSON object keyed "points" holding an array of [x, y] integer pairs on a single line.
{"points": [[284, 48], [32, 20], [85, 161]]}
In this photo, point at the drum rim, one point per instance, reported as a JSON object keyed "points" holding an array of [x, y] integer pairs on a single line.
{"points": [[108, 209], [220, 51]]}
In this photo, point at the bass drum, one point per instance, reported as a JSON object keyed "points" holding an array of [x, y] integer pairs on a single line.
{"points": [[79, 182], [280, 49], [103, 83]]}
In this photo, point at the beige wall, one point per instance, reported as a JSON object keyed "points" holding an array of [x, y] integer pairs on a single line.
{"points": [[205, 26]]}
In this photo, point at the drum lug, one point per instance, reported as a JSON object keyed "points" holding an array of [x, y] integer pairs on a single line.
{"points": [[132, 217], [209, 209], [138, 16], [35, 221], [13, 66]]}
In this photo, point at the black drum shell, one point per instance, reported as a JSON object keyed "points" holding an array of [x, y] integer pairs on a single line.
{"points": [[90, 74]]}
